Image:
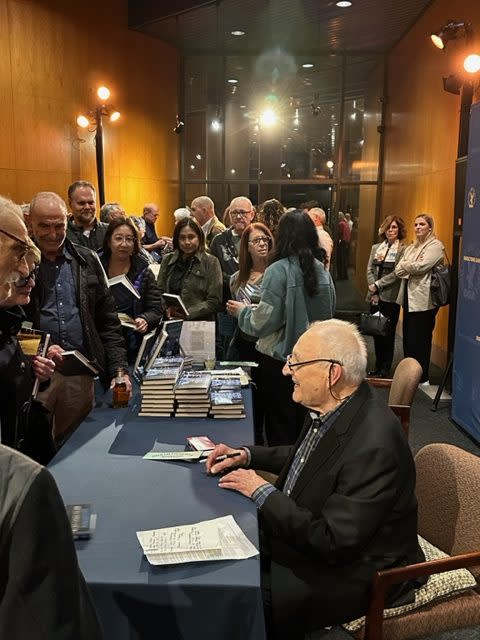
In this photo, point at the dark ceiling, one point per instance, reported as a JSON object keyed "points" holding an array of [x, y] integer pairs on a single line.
{"points": [[309, 26]]}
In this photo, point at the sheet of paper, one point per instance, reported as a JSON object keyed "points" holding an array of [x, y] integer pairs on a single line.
{"points": [[232, 543], [173, 455], [238, 372]]}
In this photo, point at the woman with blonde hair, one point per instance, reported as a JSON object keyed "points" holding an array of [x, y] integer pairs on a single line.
{"points": [[383, 287], [415, 270]]}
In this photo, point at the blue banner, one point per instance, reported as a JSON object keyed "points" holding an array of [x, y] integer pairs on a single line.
{"points": [[466, 360]]}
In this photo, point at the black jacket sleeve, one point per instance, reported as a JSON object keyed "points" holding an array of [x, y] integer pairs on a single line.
{"points": [[151, 307], [46, 597]]}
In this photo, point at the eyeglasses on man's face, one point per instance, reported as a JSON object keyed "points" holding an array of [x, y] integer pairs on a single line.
{"points": [[21, 248], [260, 240], [292, 365], [240, 213], [23, 281]]}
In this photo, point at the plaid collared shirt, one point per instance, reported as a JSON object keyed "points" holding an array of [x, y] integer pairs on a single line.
{"points": [[319, 427]]}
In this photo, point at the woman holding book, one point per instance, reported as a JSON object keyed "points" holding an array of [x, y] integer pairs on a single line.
{"points": [[122, 256], [192, 274], [297, 290]]}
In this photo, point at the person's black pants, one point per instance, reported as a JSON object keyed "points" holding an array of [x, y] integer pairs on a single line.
{"points": [[284, 418], [385, 345], [417, 337]]}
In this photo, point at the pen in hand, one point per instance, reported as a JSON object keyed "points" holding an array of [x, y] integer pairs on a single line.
{"points": [[225, 457]]}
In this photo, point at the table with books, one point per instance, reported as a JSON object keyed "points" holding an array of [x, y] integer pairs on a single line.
{"points": [[102, 464]]}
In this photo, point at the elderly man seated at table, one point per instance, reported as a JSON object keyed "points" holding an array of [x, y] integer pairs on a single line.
{"points": [[344, 502]]}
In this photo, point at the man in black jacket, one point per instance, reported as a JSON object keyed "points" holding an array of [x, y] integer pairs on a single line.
{"points": [[44, 594], [72, 303], [83, 227], [344, 503]]}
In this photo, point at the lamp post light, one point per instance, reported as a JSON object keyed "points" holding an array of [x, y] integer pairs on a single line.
{"points": [[93, 121]]}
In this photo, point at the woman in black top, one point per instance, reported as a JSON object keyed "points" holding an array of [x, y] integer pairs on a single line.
{"points": [[122, 256]]}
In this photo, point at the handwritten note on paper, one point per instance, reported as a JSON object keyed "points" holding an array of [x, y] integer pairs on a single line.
{"points": [[173, 455], [218, 539]]}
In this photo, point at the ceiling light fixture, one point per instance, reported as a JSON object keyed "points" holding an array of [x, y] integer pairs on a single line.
{"points": [[237, 33], [450, 31], [232, 81], [307, 65], [343, 4]]}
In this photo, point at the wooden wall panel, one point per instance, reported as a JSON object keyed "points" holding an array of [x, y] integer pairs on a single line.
{"points": [[53, 55], [422, 130]]}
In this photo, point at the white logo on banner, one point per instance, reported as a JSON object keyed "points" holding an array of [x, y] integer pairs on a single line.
{"points": [[472, 197]]}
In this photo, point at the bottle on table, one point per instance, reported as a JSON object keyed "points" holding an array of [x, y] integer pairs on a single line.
{"points": [[120, 393]]}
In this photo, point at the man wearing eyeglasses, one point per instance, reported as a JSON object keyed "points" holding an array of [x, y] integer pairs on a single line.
{"points": [[343, 505], [43, 592], [71, 302], [13, 246], [225, 246]]}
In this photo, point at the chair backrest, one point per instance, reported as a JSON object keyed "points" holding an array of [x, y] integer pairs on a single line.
{"points": [[405, 382], [448, 493]]}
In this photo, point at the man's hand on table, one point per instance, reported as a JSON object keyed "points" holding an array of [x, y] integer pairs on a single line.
{"points": [[244, 481]]}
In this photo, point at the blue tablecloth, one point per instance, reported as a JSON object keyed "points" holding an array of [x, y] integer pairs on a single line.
{"points": [[101, 464]]}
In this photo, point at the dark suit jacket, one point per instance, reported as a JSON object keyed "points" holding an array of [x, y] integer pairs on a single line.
{"points": [[352, 510], [43, 595]]}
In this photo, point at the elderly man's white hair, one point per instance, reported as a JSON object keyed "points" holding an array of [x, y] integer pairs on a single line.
{"points": [[181, 213], [342, 341], [320, 213]]}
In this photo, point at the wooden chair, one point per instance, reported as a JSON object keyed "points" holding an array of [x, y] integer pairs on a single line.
{"points": [[448, 490], [402, 386]]}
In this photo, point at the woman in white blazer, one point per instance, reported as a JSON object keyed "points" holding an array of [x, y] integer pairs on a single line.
{"points": [[415, 269]]}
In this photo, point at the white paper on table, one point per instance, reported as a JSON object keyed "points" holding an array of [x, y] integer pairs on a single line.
{"points": [[174, 455], [232, 543]]}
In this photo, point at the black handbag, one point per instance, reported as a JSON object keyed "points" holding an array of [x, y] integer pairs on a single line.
{"points": [[440, 282], [374, 324]]}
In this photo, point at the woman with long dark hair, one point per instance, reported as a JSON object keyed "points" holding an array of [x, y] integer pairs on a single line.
{"points": [[122, 255], [191, 273], [297, 290]]}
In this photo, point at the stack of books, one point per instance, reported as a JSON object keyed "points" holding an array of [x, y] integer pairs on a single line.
{"points": [[226, 398], [157, 387], [192, 394]]}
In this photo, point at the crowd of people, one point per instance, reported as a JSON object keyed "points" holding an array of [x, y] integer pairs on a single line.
{"points": [[344, 503]]}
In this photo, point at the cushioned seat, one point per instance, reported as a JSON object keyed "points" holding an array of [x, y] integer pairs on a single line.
{"points": [[448, 490], [402, 386]]}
